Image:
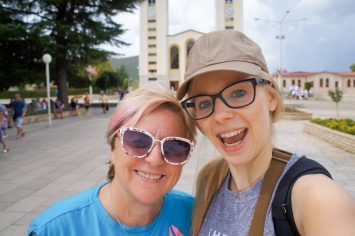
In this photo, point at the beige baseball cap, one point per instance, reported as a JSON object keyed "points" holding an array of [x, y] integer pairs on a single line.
{"points": [[228, 50]]}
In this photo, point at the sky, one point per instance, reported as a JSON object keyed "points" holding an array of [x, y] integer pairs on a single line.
{"points": [[325, 41]]}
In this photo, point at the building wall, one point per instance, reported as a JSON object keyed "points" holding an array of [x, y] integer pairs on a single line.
{"points": [[229, 14], [180, 41], [322, 83], [153, 43]]}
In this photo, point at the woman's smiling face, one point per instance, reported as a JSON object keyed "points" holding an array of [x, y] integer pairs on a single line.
{"points": [[240, 134]]}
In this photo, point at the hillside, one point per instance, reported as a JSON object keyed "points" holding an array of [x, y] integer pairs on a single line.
{"points": [[131, 64]]}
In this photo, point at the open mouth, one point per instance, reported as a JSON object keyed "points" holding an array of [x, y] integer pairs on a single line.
{"points": [[233, 138], [149, 176]]}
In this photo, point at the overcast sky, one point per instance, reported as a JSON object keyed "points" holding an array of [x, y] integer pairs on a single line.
{"points": [[324, 42]]}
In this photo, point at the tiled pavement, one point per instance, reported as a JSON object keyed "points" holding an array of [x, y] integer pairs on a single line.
{"points": [[52, 163]]}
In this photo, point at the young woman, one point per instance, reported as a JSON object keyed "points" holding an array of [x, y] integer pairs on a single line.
{"points": [[234, 102], [150, 139]]}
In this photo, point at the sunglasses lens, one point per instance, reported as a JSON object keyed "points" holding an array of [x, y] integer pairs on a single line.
{"points": [[136, 143], [176, 151]]}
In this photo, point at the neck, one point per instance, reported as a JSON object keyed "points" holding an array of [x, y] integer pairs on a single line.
{"points": [[121, 208], [246, 175]]}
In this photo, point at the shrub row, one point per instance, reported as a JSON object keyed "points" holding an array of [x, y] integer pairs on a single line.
{"points": [[345, 125], [40, 93]]}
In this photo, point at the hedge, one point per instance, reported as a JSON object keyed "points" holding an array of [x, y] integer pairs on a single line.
{"points": [[345, 125], [40, 93]]}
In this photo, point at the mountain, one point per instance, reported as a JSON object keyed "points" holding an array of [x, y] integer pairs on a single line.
{"points": [[131, 64]]}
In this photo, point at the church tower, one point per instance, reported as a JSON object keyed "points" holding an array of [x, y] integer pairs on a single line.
{"points": [[153, 42], [229, 14]]}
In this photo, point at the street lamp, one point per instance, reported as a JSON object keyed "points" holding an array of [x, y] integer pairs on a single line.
{"points": [[91, 72], [280, 37], [47, 59]]}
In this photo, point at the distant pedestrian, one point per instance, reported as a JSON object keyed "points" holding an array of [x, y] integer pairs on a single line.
{"points": [[87, 101], [58, 112], [19, 107], [4, 121], [44, 104], [73, 105], [104, 102], [2, 140]]}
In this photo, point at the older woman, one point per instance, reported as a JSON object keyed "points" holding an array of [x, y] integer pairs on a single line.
{"points": [[234, 101], [150, 139]]}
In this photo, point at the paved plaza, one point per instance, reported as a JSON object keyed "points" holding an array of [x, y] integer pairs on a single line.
{"points": [[49, 164]]}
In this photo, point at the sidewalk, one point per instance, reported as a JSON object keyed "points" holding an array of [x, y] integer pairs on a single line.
{"points": [[49, 164]]}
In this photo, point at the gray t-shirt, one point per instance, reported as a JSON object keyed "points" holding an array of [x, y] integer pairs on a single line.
{"points": [[231, 213]]}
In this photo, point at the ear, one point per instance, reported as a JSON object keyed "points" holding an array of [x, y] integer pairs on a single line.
{"points": [[274, 100]]}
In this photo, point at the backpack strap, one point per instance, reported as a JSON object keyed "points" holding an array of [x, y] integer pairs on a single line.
{"points": [[281, 207], [277, 165]]}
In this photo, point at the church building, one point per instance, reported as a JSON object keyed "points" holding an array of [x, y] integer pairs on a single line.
{"points": [[162, 56]]}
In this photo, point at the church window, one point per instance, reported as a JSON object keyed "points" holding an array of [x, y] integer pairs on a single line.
{"points": [[189, 45], [336, 84], [228, 1], [174, 58], [151, 2], [229, 27], [321, 82], [327, 83]]}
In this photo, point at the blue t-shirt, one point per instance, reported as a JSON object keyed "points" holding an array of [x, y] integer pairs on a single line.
{"points": [[18, 107], [84, 214]]}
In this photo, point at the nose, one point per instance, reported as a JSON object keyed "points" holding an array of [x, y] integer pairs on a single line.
{"points": [[155, 157], [221, 111]]}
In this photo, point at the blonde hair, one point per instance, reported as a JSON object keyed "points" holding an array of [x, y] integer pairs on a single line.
{"points": [[140, 103], [211, 176]]}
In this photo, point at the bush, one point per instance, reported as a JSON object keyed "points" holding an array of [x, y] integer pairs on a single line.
{"points": [[345, 125], [40, 93]]}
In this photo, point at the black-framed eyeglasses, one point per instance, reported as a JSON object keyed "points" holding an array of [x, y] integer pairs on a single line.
{"points": [[139, 143], [236, 95]]}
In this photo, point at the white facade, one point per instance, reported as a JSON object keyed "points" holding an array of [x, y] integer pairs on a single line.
{"points": [[229, 14], [163, 57], [322, 83]]}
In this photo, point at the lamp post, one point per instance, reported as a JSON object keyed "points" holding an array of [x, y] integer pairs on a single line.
{"points": [[280, 37], [91, 72], [47, 59]]}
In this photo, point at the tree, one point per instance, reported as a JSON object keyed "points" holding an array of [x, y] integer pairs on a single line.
{"points": [[109, 80], [74, 30], [352, 67], [336, 96], [19, 46], [308, 85], [123, 75]]}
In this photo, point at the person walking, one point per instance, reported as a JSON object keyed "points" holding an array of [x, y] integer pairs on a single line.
{"points": [[86, 99], [2, 140], [19, 106], [4, 121], [104, 101]]}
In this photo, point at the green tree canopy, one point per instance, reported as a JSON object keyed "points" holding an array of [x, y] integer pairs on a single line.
{"points": [[352, 67], [71, 31], [336, 96], [109, 80]]}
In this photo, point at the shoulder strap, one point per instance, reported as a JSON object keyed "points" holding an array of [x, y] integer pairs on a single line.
{"points": [[281, 207], [277, 165]]}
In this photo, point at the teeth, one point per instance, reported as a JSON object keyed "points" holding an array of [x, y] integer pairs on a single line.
{"points": [[148, 176], [232, 133], [232, 144]]}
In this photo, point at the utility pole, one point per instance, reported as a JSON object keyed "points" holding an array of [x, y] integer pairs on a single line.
{"points": [[280, 37]]}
